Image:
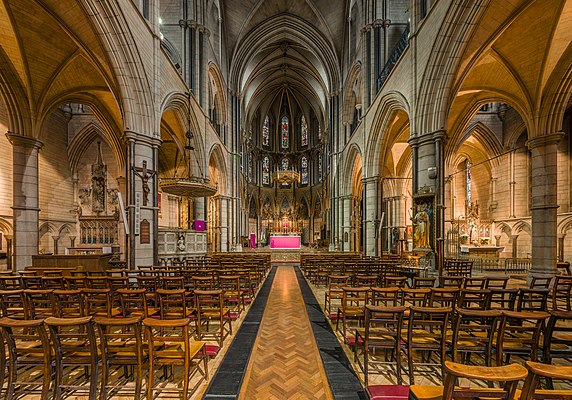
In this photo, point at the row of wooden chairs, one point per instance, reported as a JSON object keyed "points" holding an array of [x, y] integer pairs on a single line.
{"points": [[208, 308], [74, 343], [424, 336]]}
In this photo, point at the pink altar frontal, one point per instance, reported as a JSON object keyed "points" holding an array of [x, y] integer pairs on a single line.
{"points": [[284, 242]]}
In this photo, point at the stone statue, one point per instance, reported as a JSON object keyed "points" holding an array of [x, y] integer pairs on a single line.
{"points": [[422, 228], [181, 243]]}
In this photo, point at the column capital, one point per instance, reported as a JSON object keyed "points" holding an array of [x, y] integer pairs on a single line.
{"points": [[429, 137], [25, 141], [544, 140], [370, 179], [141, 138]]}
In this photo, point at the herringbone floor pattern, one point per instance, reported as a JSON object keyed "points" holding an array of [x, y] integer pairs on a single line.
{"points": [[285, 363]]}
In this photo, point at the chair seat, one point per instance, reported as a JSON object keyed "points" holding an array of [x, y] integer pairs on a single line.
{"points": [[423, 392], [215, 313], [388, 392], [211, 350], [548, 394]]}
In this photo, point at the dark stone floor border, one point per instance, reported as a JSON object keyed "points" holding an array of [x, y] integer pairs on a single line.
{"points": [[227, 380], [342, 378]]}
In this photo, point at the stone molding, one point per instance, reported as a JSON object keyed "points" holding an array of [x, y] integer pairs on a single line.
{"points": [[25, 141], [544, 140], [424, 138]]}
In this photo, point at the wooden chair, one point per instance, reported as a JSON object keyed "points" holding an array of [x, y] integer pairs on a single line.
{"points": [[395, 281], [334, 290], [75, 345], [496, 282], [534, 299], [422, 283], [457, 267], [12, 303], [68, 303], [381, 331], [150, 284], [53, 282], [519, 334], [415, 297], [531, 390], [508, 375], [172, 282], [11, 282], [542, 282], [561, 293], [28, 346], [473, 332], [386, 296], [121, 344], [557, 336], [474, 282], [75, 282], [426, 332], [173, 304], [97, 282], [476, 299], [444, 297], [232, 293], [204, 283], [352, 306], [98, 302], [210, 309], [366, 280], [38, 303], [169, 344], [32, 282], [503, 299], [447, 281], [133, 303]]}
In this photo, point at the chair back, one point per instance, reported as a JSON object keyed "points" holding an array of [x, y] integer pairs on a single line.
{"points": [[387, 296], [508, 375], [519, 333], [536, 370], [68, 303]]}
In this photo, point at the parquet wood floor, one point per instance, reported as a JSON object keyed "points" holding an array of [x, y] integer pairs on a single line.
{"points": [[285, 363]]}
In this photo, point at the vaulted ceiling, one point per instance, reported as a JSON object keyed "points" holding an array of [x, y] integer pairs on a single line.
{"points": [[277, 44]]}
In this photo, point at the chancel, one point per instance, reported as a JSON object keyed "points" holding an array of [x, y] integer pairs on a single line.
{"points": [[285, 199]]}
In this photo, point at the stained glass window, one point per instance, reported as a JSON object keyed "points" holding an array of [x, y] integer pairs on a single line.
{"points": [[285, 164], [304, 131], [319, 132], [285, 133], [304, 171], [266, 171], [469, 182], [266, 132], [320, 167]]}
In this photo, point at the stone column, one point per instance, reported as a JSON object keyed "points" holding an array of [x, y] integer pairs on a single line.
{"points": [[544, 203], [142, 198], [369, 215], [25, 203], [429, 172]]}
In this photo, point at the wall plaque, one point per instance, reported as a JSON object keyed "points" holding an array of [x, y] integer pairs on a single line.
{"points": [[145, 232]]}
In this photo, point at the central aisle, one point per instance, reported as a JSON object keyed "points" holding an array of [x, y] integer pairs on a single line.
{"points": [[285, 363]]}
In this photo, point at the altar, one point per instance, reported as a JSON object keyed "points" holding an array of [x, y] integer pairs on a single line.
{"points": [[285, 241], [481, 251]]}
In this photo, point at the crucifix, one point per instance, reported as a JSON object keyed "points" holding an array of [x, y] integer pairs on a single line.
{"points": [[145, 174]]}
